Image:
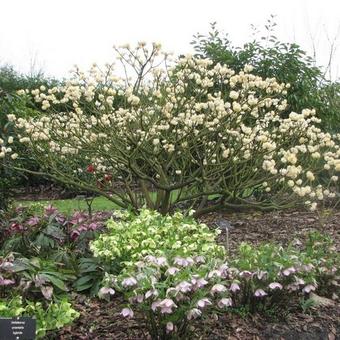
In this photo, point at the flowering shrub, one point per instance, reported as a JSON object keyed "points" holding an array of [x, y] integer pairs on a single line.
{"points": [[133, 237], [180, 133], [170, 290], [286, 62], [50, 317]]}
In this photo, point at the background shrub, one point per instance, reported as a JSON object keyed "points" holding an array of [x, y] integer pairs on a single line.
{"points": [[10, 103]]}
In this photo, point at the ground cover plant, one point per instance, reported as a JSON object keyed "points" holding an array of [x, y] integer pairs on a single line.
{"points": [[35, 230], [54, 316], [133, 237], [36, 288]]}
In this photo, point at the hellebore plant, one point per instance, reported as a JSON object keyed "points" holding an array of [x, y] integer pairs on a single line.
{"points": [[49, 316], [132, 237], [169, 293], [35, 232], [170, 299]]}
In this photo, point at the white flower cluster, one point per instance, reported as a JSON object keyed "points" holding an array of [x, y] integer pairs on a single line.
{"points": [[5, 146]]}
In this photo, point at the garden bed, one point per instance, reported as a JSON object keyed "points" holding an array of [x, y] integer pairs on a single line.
{"points": [[102, 320]]}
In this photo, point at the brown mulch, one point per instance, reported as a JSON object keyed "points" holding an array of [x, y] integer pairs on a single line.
{"points": [[322, 324], [281, 227], [101, 320]]}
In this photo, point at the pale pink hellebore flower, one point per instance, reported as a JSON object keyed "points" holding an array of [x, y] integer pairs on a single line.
{"points": [[309, 288], [260, 293], [203, 302], [288, 271], [166, 306], [127, 313], [225, 302], [184, 287], [172, 271], [169, 327], [234, 287], [218, 288], [129, 282], [275, 285]]}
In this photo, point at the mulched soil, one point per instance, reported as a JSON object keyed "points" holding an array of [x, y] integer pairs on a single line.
{"points": [[282, 227], [101, 320]]}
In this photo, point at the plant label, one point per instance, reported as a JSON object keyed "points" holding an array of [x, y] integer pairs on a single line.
{"points": [[17, 328]]}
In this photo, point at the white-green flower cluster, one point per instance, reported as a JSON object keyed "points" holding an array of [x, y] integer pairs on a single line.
{"points": [[150, 233]]}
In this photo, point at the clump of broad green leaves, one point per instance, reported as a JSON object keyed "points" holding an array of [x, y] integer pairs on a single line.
{"points": [[51, 317], [183, 133], [45, 232], [170, 283]]}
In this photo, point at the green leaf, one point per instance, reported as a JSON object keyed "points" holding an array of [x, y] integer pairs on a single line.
{"points": [[55, 281], [83, 280], [83, 287]]}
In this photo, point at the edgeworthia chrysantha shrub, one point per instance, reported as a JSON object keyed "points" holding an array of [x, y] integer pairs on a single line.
{"points": [[180, 133]]}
